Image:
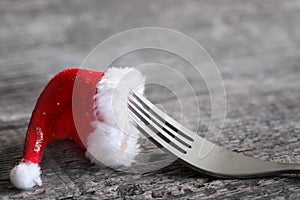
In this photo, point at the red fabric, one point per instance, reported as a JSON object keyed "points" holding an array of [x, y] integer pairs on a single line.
{"points": [[52, 118]]}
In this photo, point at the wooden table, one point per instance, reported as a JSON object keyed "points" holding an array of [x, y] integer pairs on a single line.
{"points": [[255, 44]]}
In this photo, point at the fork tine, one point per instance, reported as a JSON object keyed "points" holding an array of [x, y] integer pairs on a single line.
{"points": [[159, 131], [156, 129], [166, 129], [154, 137], [179, 130]]}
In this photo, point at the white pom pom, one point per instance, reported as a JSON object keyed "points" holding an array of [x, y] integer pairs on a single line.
{"points": [[25, 176]]}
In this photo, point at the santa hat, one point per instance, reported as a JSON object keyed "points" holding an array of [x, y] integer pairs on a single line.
{"points": [[79, 104]]}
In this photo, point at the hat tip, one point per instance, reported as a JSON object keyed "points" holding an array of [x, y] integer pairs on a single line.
{"points": [[26, 175]]}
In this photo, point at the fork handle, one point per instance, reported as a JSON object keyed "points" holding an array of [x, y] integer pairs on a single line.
{"points": [[217, 161]]}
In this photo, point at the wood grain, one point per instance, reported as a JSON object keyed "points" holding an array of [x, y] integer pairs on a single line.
{"points": [[255, 44]]}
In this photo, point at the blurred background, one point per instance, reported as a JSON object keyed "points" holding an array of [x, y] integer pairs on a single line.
{"points": [[255, 44]]}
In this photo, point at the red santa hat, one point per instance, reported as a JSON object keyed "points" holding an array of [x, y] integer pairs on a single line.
{"points": [[80, 104]]}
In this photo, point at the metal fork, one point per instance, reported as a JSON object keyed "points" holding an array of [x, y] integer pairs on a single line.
{"points": [[195, 151]]}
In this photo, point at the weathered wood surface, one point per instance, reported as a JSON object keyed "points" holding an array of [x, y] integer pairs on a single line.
{"points": [[255, 43]]}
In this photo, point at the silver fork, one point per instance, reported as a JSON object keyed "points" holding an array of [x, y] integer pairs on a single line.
{"points": [[195, 151]]}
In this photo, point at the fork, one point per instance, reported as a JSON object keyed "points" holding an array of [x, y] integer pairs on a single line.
{"points": [[195, 151]]}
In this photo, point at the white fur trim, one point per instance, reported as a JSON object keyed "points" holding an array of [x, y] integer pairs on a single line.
{"points": [[26, 175], [105, 146], [114, 141]]}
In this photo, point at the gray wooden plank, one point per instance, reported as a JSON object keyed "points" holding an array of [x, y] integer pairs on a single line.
{"points": [[254, 43]]}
